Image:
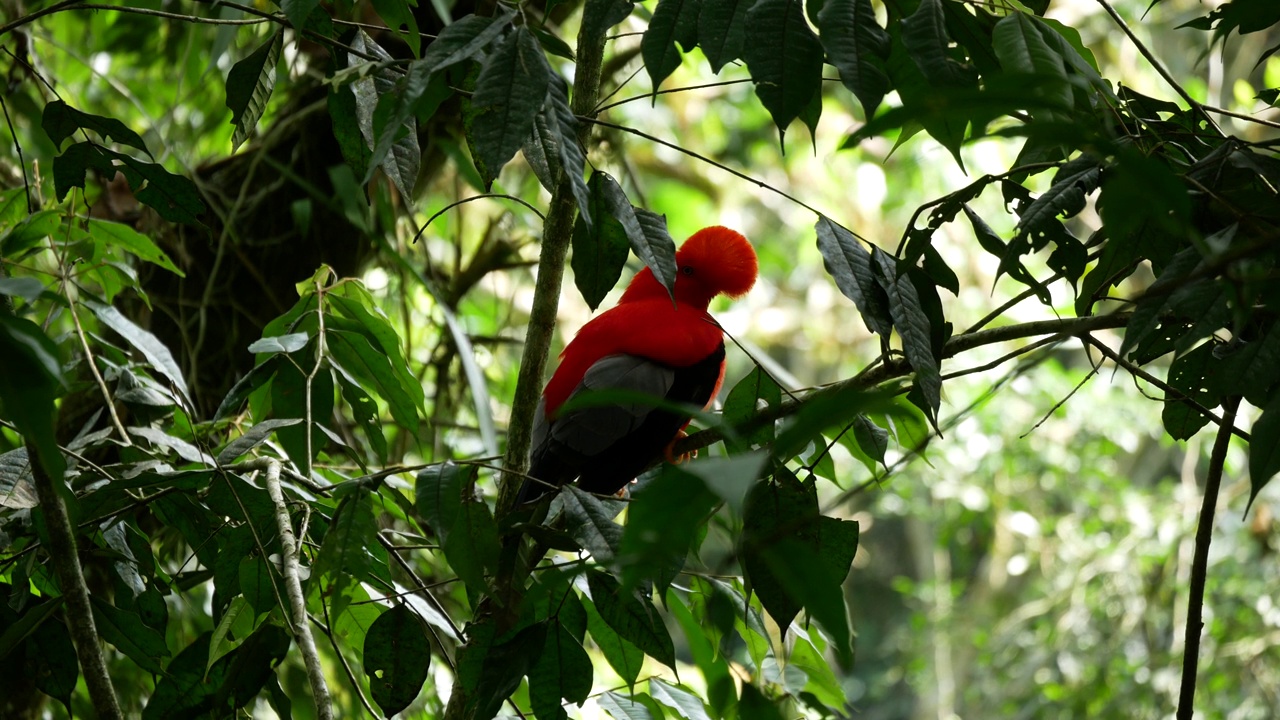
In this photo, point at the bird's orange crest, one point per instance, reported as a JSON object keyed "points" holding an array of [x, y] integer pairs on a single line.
{"points": [[712, 261]]}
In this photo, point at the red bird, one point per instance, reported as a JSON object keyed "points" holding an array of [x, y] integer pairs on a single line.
{"points": [[644, 344]]}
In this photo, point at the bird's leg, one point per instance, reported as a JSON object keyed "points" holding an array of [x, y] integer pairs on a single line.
{"points": [[669, 451]]}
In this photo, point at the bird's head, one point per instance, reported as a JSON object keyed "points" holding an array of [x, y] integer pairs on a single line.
{"points": [[713, 261]]}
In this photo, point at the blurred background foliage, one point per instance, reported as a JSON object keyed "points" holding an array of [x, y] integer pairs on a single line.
{"points": [[1031, 563]]}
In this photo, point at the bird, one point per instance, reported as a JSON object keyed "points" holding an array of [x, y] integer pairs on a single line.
{"points": [[645, 344]]}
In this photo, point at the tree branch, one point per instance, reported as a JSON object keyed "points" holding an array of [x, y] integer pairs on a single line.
{"points": [[1200, 562], [899, 367], [299, 621], [79, 613]]}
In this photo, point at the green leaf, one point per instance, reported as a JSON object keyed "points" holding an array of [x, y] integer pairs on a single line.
{"points": [[563, 671], [744, 405], [126, 631], [1066, 197], [1019, 42], [784, 57], [633, 617], [858, 47], [850, 265], [31, 620], [924, 34], [655, 247], [598, 16], [753, 705], [298, 10], [722, 30], [541, 151], [173, 196], [237, 623], [364, 410], [397, 14], [460, 41], [51, 658], [405, 155], [662, 523], [1264, 448], [60, 121], [589, 521], [912, 324], [600, 252], [496, 670], [125, 237], [30, 383], [344, 558], [184, 685], [511, 89], [993, 244], [249, 86], [373, 369], [471, 544], [396, 658], [687, 704], [289, 401], [636, 706], [776, 511], [624, 657], [673, 21], [564, 127], [438, 494], [245, 386], [1188, 374]]}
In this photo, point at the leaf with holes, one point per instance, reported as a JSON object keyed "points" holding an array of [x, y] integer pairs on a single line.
{"points": [[397, 656]]}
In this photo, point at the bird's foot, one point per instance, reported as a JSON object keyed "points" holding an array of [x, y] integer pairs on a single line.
{"points": [[669, 451]]}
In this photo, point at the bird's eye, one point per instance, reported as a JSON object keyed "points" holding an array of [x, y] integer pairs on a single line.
{"points": [[687, 270]]}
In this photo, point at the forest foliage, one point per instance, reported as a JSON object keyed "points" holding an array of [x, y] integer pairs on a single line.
{"points": [[289, 503]]}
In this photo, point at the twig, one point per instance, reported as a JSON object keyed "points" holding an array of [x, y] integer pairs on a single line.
{"points": [[465, 200], [299, 622], [1114, 357], [327, 628], [315, 370], [1200, 563], [1151, 58], [79, 613], [97, 376], [1241, 116], [17, 145]]}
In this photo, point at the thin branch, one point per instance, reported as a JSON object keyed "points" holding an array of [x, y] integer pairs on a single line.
{"points": [[898, 367], [299, 622], [650, 95], [463, 201], [1200, 561], [736, 173], [1168, 389], [1241, 116], [17, 145], [327, 628], [97, 376], [1159, 68]]}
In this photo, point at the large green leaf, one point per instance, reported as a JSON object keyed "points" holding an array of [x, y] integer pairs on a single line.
{"points": [[621, 654], [126, 631], [249, 86], [563, 672], [913, 326], [173, 196], [30, 383], [722, 30], [632, 616], [784, 57], [564, 127], [654, 246], [743, 405], [399, 14], [471, 545], [1020, 44], [373, 369], [686, 703], [673, 21], [850, 264], [1187, 375], [589, 521], [396, 658], [131, 241], [662, 522], [60, 121], [510, 91], [858, 47], [344, 557], [402, 162], [460, 41], [924, 34], [1264, 448], [600, 251]]}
